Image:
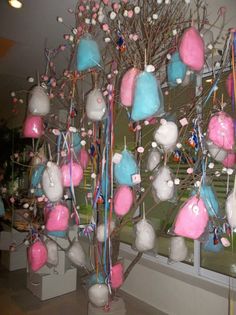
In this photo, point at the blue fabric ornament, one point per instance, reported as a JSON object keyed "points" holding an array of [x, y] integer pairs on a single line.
{"points": [[57, 233], [210, 201], [2, 208], [124, 170], [37, 175], [76, 142], [147, 97], [88, 54], [94, 278], [176, 69], [211, 246]]}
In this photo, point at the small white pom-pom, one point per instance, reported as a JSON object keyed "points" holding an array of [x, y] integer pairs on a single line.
{"points": [[178, 81], [155, 16], [112, 15], [137, 10], [59, 19]]}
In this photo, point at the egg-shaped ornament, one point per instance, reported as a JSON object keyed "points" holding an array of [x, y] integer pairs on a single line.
{"points": [[52, 182], [103, 233], [98, 294], [230, 208], [209, 198], [191, 49], [176, 70], [96, 108], [212, 244], [153, 160], [83, 158], [127, 87], [117, 275], [126, 169], [145, 236], [123, 200], [163, 185], [166, 135], [178, 249], [72, 174], [230, 160], [88, 54], [217, 153], [76, 254], [37, 175], [39, 103], [221, 131], [192, 218], [53, 258], [37, 255], [58, 218], [147, 98], [33, 127], [76, 141]]}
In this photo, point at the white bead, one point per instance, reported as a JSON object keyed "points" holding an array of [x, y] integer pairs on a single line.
{"points": [[197, 184], [178, 81], [26, 243], [25, 205], [179, 145], [224, 170], [137, 10], [170, 183], [177, 181], [230, 171], [154, 144], [174, 32], [211, 165], [125, 13], [71, 38], [87, 21], [83, 143], [155, 16], [168, 56], [30, 79], [217, 174], [59, 19], [112, 15], [107, 40], [210, 46], [13, 94]]}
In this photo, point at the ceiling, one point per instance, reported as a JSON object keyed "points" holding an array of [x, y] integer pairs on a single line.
{"points": [[26, 32]]}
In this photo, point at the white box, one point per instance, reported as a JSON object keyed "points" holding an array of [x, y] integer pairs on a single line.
{"points": [[63, 265], [14, 260], [48, 286], [9, 237]]}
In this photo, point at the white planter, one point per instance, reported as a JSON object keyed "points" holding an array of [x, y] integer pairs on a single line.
{"points": [[117, 307]]}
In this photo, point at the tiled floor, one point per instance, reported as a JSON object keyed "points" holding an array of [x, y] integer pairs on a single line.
{"points": [[15, 299]]}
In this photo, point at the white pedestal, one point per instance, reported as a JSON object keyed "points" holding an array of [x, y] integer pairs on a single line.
{"points": [[14, 260], [117, 307], [48, 286], [11, 236]]}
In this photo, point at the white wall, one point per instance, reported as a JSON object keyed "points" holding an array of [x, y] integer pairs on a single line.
{"points": [[175, 293]]}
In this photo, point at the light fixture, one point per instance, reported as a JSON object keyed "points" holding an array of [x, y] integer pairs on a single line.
{"points": [[209, 80], [15, 4]]}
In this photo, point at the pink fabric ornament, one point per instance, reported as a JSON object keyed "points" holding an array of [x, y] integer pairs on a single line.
{"points": [[230, 160], [117, 275], [57, 218], [127, 87], [221, 131], [123, 200], [191, 219], [73, 170], [191, 49], [37, 255], [33, 127], [83, 158]]}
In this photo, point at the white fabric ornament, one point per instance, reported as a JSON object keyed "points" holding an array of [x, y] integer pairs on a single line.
{"points": [[166, 135], [163, 184], [217, 153], [39, 103], [52, 252], [101, 231], [145, 236], [178, 249], [95, 105], [76, 254], [98, 294], [154, 158], [230, 207], [52, 182]]}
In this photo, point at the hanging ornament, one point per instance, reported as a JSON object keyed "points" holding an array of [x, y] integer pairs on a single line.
{"points": [[33, 127], [145, 236], [217, 153], [39, 103], [100, 233], [147, 98], [176, 70], [154, 158], [98, 294], [191, 49], [191, 219], [95, 105], [117, 275], [52, 182], [230, 160], [212, 244], [76, 254], [37, 255], [57, 218], [163, 184], [178, 249], [126, 169], [127, 87], [88, 54], [221, 131], [123, 200], [83, 158], [52, 250], [166, 135], [72, 174]]}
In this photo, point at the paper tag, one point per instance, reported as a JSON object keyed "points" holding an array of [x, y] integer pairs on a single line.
{"points": [[117, 158], [183, 122], [225, 242], [136, 178]]}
